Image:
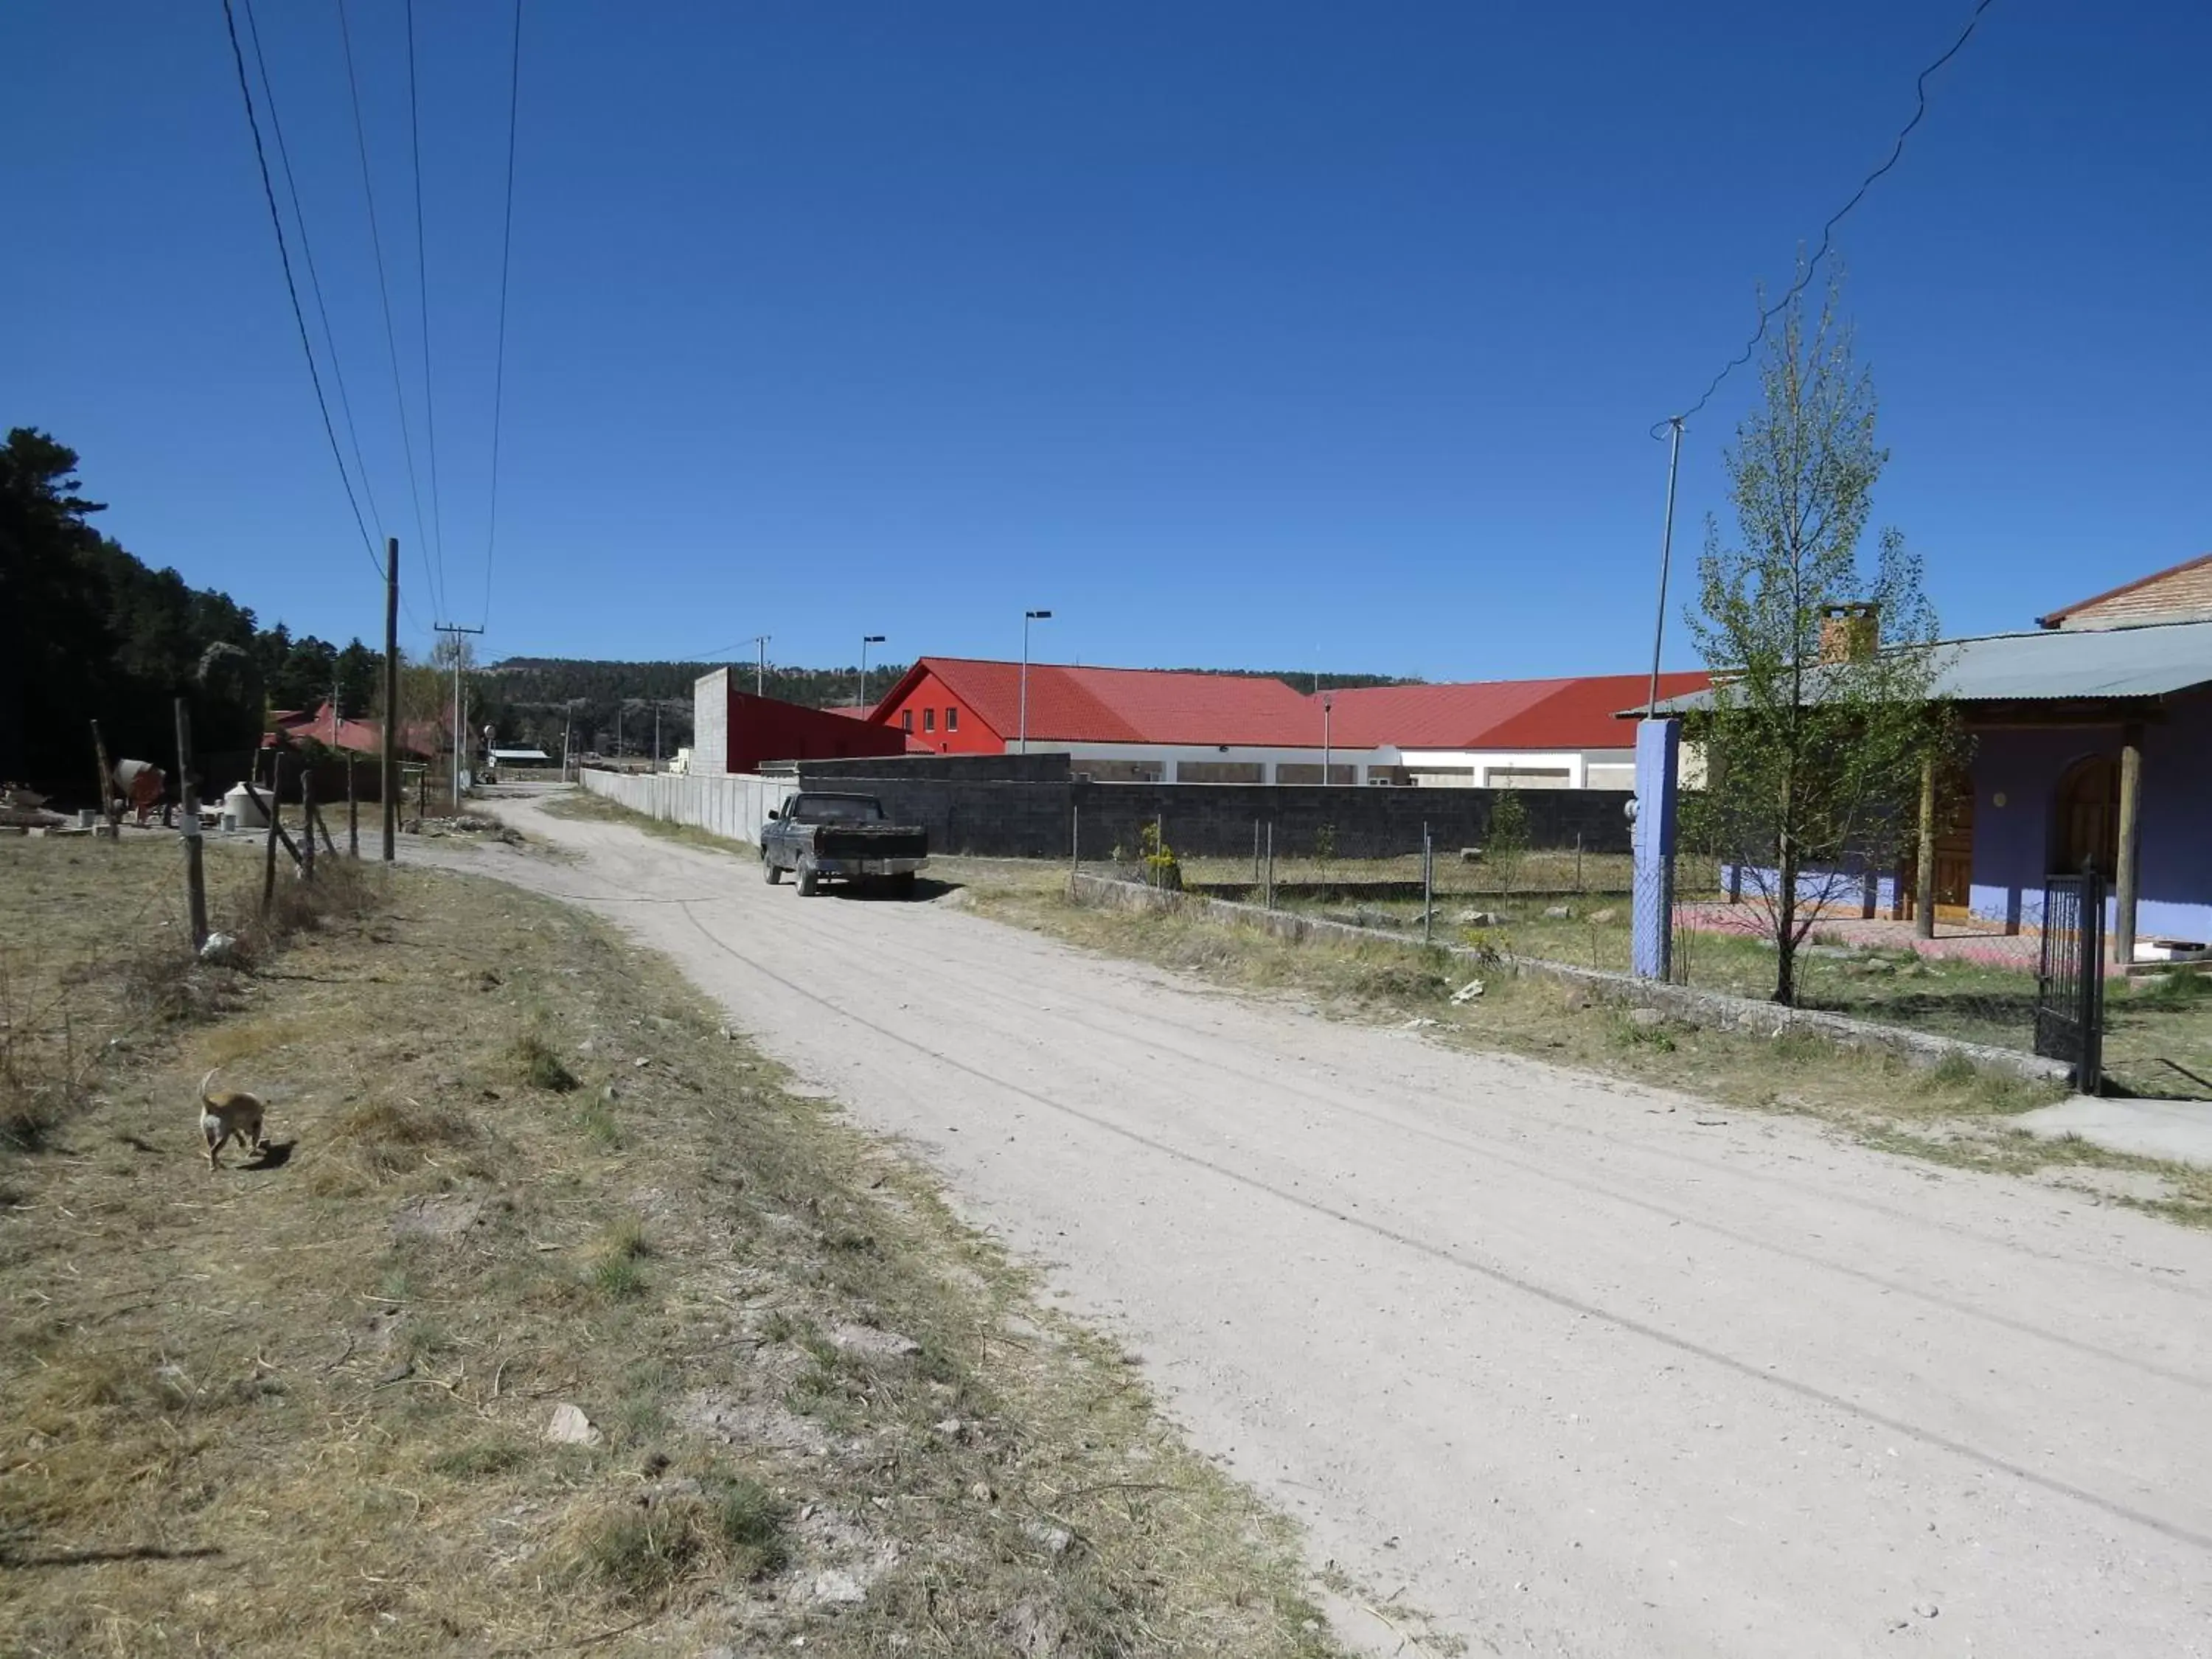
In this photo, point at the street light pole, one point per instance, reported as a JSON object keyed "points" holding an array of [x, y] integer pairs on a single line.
{"points": [[866, 640], [1028, 617], [1666, 556], [760, 674]]}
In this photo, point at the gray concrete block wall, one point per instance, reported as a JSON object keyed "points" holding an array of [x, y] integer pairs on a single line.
{"points": [[999, 819]]}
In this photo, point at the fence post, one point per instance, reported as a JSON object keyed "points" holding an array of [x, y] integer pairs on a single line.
{"points": [[1075, 844], [1267, 889], [188, 788], [106, 797], [2089, 1071], [1428, 882], [1256, 852], [276, 819], [1578, 863], [307, 822]]}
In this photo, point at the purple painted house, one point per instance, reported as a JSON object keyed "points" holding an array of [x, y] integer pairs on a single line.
{"points": [[2090, 744]]}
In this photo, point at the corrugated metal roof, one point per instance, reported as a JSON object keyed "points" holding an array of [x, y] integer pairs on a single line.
{"points": [[1538, 715], [2151, 661]]}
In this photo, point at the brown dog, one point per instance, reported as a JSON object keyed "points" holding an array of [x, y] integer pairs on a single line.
{"points": [[233, 1114]]}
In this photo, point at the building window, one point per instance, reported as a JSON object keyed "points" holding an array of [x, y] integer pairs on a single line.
{"points": [[906, 719], [953, 719], [929, 719]]}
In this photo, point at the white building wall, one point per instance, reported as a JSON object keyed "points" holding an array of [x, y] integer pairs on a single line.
{"points": [[710, 724], [733, 805], [1581, 769], [1170, 757]]}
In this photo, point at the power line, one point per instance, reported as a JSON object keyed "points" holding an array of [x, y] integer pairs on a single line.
{"points": [[276, 222], [307, 254], [1828, 231], [499, 356], [423, 291], [383, 292]]}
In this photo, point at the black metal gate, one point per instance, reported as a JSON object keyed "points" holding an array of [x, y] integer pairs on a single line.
{"points": [[2070, 988]]}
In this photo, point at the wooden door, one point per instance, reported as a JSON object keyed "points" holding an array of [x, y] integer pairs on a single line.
{"points": [[1954, 855], [2088, 827], [1954, 850]]}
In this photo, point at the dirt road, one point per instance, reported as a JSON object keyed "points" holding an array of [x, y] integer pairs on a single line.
{"points": [[1575, 1367]]}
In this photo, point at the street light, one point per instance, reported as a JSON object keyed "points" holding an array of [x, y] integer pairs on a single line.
{"points": [[866, 640], [1028, 617], [1327, 710]]}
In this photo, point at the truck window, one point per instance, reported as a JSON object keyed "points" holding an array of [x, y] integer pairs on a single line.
{"points": [[837, 809]]}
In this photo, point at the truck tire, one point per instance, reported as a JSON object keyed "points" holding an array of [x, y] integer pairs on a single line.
{"points": [[769, 873], [807, 884]]}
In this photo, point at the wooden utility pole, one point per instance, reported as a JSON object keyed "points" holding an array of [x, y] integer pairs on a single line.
{"points": [[2127, 857], [353, 811], [107, 781], [460, 738], [389, 793], [188, 789]]}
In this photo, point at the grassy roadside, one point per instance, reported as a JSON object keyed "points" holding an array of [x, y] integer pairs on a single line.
{"points": [[580, 803], [301, 1405], [1955, 1114]]}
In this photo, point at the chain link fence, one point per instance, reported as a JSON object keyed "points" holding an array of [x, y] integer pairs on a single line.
{"points": [[1853, 947]]}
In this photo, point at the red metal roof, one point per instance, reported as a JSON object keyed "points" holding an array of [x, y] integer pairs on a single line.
{"points": [[1430, 716], [1143, 705], [1124, 705], [364, 736], [1538, 715]]}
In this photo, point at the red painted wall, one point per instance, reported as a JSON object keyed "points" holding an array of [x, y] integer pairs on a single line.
{"points": [[931, 695], [764, 729]]}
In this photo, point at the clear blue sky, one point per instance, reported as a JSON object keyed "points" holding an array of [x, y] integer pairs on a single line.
{"points": [[1236, 334]]}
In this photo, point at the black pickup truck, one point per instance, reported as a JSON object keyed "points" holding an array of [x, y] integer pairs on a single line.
{"points": [[841, 838]]}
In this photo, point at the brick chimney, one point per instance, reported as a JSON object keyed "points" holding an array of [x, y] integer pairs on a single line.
{"points": [[1849, 632]]}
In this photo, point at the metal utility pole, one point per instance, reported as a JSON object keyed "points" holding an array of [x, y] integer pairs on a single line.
{"points": [[1328, 713], [760, 674], [1666, 555], [389, 788], [1028, 617], [866, 640], [459, 738], [567, 725], [656, 734]]}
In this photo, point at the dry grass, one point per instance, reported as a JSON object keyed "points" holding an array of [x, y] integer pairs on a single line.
{"points": [[300, 1406], [1954, 1113]]}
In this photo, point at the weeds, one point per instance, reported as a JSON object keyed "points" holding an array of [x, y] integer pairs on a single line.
{"points": [[539, 1065]]}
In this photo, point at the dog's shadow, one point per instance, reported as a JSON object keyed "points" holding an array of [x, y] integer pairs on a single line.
{"points": [[273, 1156]]}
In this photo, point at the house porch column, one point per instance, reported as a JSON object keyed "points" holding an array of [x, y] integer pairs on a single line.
{"points": [[1924, 879], [2126, 877]]}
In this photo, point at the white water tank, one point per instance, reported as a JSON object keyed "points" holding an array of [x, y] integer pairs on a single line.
{"points": [[239, 808]]}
